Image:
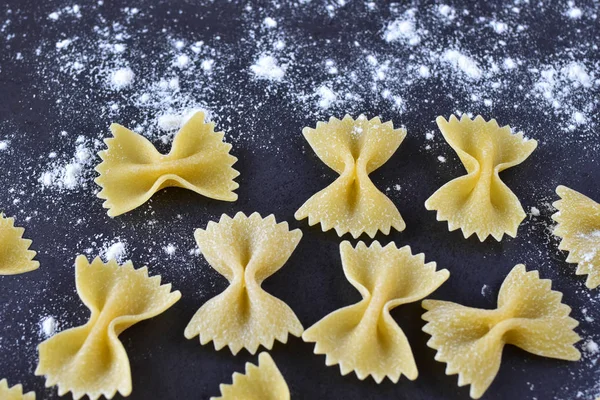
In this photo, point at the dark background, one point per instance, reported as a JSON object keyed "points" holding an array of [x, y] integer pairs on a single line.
{"points": [[278, 173]]}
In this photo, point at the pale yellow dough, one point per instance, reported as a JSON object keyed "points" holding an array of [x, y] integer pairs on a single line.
{"points": [[246, 251], [480, 202], [14, 393], [262, 382], [353, 149], [363, 337], [132, 170], [15, 256], [89, 359], [529, 315], [578, 220]]}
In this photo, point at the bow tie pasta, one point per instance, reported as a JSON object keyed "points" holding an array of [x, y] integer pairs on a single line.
{"points": [[262, 382], [132, 170], [578, 220], [364, 337], [352, 203], [89, 359], [14, 393], [15, 256], [529, 315], [480, 202], [246, 251]]}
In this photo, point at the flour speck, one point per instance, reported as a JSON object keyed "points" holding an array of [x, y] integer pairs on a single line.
{"points": [[267, 67], [115, 251], [574, 12], [48, 327], [270, 22], [121, 78], [326, 97]]}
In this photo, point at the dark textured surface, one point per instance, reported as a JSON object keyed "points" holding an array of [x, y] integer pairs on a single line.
{"points": [[277, 178]]}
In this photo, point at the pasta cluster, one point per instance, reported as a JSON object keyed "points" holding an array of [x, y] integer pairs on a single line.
{"points": [[363, 338]]}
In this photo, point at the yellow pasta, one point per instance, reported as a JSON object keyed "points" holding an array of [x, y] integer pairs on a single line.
{"points": [[246, 251], [529, 315], [578, 220], [15, 256], [14, 393], [262, 382], [353, 149], [480, 202], [363, 337], [89, 359], [132, 170]]}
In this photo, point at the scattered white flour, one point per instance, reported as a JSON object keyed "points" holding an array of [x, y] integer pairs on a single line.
{"points": [[586, 316], [441, 159], [72, 174], [48, 327], [63, 43], [463, 63], [181, 61], [578, 74], [574, 12], [535, 212], [266, 67], [424, 71], [509, 63], [326, 97], [499, 27], [179, 44], [207, 65], [591, 347], [485, 290], [402, 29], [447, 11], [579, 118], [116, 250], [121, 78], [119, 47], [171, 122], [3, 145], [170, 249], [269, 22]]}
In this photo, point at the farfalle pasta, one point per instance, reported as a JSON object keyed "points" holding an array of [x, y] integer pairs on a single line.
{"points": [[363, 337], [14, 393], [132, 170], [15, 256], [89, 359], [480, 202], [246, 251], [262, 382], [353, 149], [578, 220], [529, 315]]}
